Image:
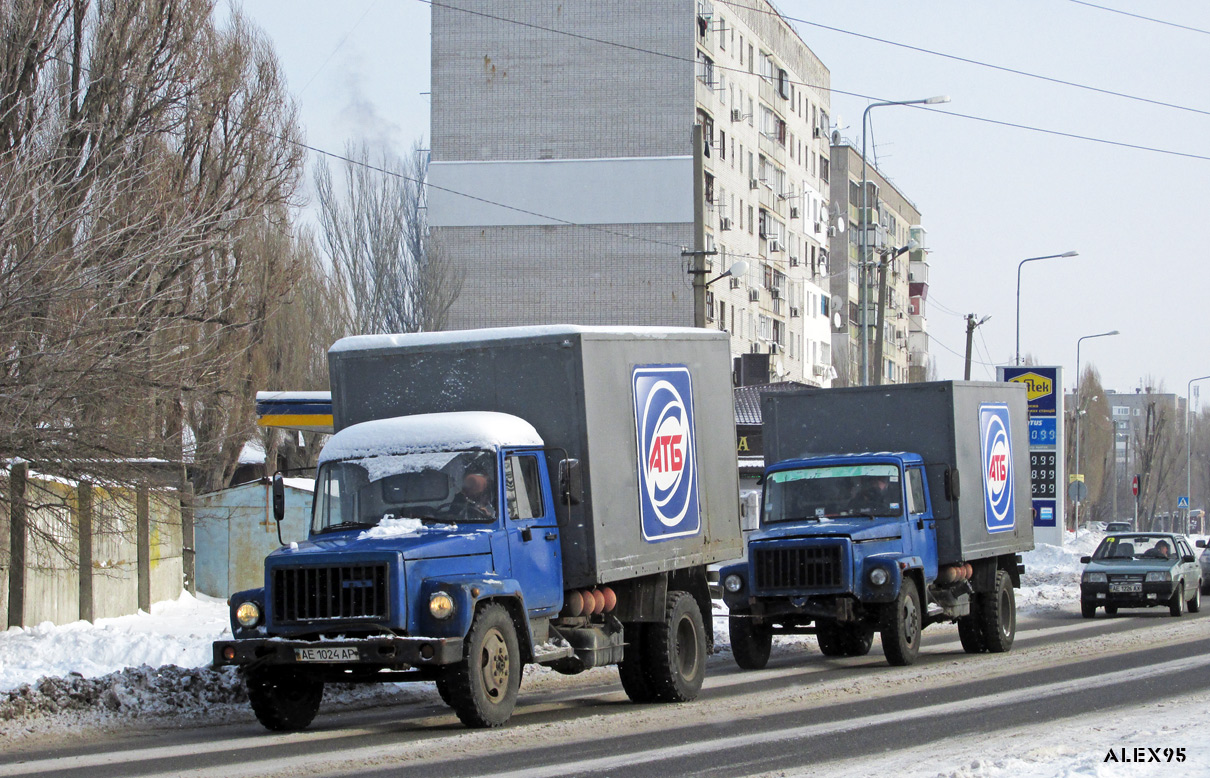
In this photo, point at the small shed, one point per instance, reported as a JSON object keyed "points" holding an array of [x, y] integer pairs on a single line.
{"points": [[234, 531]]}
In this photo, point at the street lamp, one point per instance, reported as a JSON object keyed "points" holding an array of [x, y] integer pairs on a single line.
{"points": [[1078, 471], [863, 294], [1188, 472], [1022, 262]]}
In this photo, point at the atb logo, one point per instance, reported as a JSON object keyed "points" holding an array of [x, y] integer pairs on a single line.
{"points": [[996, 444], [663, 407]]}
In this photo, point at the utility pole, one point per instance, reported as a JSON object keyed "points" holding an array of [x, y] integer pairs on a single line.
{"points": [[971, 324], [698, 269]]}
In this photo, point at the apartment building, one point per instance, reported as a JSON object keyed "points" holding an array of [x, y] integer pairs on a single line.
{"points": [[892, 223], [562, 174]]}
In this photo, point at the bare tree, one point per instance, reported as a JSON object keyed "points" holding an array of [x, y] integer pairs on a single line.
{"points": [[147, 158], [375, 231]]}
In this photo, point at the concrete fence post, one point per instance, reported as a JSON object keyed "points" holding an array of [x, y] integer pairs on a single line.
{"points": [[188, 552], [84, 553], [143, 546], [18, 476]]}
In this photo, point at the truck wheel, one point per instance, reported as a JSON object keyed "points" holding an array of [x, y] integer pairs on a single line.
{"points": [[283, 699], [827, 634], [1194, 604], [856, 639], [443, 688], [750, 642], [998, 612], [632, 669], [483, 686], [901, 625], [1088, 609], [970, 634], [1177, 601], [676, 651]]}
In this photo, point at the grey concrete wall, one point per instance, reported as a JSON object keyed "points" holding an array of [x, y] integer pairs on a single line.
{"points": [[506, 91], [508, 272]]}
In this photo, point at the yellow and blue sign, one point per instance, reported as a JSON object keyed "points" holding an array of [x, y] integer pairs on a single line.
{"points": [[663, 409]]}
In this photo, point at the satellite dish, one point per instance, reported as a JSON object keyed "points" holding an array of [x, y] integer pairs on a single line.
{"points": [[779, 369], [840, 222], [837, 321]]}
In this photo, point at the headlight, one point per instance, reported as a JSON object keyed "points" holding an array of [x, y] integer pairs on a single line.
{"points": [[733, 583], [1094, 578], [1163, 577], [441, 605], [247, 614], [878, 576]]}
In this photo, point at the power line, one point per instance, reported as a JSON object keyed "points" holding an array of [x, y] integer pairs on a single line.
{"points": [[343, 40], [1144, 18], [979, 63]]}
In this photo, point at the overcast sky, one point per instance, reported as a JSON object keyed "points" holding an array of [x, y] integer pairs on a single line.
{"points": [[990, 195]]}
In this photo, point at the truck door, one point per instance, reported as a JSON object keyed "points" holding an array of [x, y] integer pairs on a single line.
{"points": [[922, 525], [533, 534]]}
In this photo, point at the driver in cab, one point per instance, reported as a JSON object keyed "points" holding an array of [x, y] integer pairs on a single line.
{"points": [[476, 500]]}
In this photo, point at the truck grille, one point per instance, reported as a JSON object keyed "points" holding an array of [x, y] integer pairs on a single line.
{"points": [[308, 594], [814, 567]]}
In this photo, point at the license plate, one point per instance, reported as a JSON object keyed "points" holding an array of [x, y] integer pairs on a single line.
{"points": [[1126, 588], [325, 654]]}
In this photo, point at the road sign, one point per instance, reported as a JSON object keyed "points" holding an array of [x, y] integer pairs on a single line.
{"points": [[1134, 486], [1077, 491], [1182, 503]]}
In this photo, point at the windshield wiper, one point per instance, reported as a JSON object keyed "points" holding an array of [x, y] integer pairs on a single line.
{"points": [[347, 525]]}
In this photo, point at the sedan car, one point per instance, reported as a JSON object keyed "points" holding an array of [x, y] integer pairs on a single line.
{"points": [[1118, 526], [1139, 570]]}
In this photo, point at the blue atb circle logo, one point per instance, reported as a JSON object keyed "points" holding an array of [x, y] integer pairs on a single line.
{"points": [[996, 445], [667, 457]]}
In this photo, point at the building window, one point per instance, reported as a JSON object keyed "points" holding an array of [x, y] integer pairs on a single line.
{"points": [[705, 69], [722, 33], [783, 83], [722, 315], [722, 144], [823, 168]]}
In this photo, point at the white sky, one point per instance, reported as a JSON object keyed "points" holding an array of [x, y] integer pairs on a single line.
{"points": [[991, 196]]}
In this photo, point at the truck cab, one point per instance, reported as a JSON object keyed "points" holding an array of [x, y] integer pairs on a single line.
{"points": [[418, 524]]}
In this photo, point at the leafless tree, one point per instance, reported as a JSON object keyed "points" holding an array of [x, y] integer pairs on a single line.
{"points": [[374, 229], [147, 159]]}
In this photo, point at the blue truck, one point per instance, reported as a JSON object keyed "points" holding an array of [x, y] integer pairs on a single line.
{"points": [[886, 509], [493, 498]]}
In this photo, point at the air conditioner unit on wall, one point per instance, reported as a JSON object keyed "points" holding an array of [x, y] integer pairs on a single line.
{"points": [[753, 183], [724, 224], [794, 312], [753, 295], [775, 245], [737, 115], [794, 213], [734, 283]]}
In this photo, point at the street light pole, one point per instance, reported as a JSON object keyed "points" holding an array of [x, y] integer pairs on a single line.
{"points": [[1188, 471], [1019, 264], [1078, 473], [863, 294]]}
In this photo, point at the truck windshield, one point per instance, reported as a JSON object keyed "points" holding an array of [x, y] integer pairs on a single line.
{"points": [[814, 493], [446, 487]]}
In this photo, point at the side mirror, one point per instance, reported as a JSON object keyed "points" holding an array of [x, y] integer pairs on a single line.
{"points": [[279, 498], [1188, 558], [571, 481], [953, 486], [1085, 560], [1200, 544]]}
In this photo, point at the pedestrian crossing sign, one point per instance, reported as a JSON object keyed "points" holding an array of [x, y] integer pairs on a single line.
{"points": [[1182, 503]]}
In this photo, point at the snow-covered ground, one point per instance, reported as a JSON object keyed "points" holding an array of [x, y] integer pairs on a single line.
{"points": [[156, 664]]}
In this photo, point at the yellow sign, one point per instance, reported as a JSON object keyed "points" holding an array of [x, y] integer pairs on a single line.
{"points": [[1035, 385], [1073, 477]]}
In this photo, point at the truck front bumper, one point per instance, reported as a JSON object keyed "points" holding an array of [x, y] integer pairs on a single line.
{"points": [[381, 652]]}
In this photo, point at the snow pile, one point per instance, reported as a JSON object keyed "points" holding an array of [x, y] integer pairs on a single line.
{"points": [[1052, 573], [176, 632], [403, 528]]}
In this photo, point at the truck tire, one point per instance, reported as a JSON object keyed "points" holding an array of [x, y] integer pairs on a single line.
{"points": [[1088, 609], [443, 688], [632, 669], [1177, 602], [283, 699], [856, 639], [902, 622], [998, 612], [750, 642], [827, 634], [676, 651], [483, 686], [970, 634]]}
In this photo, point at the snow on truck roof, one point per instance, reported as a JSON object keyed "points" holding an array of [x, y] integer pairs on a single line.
{"points": [[453, 431], [371, 342]]}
